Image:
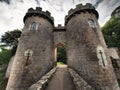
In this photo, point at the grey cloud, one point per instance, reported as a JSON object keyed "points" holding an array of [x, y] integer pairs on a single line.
{"points": [[97, 3], [38, 2], [58, 9], [7, 1]]}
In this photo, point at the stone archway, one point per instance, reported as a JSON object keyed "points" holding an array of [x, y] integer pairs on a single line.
{"points": [[60, 53]]}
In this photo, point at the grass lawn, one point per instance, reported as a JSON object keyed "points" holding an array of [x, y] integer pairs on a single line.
{"points": [[60, 63]]}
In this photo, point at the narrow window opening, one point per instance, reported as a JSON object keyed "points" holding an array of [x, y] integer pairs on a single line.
{"points": [[33, 26], [28, 54], [91, 23], [101, 56]]}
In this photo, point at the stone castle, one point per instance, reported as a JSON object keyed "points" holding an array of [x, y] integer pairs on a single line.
{"points": [[88, 60]]}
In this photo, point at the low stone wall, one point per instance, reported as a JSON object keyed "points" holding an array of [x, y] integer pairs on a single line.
{"points": [[114, 53], [43, 82], [79, 82]]}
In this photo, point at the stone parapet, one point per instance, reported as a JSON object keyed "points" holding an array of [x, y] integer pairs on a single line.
{"points": [[81, 8], [79, 82], [8, 71], [114, 53], [38, 12], [43, 82], [59, 28]]}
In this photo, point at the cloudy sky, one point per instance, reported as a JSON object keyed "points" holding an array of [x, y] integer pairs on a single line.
{"points": [[13, 11]]}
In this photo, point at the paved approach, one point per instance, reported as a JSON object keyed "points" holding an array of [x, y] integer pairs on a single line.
{"points": [[61, 80]]}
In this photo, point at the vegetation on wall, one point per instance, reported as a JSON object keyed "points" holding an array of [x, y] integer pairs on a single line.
{"points": [[111, 32]]}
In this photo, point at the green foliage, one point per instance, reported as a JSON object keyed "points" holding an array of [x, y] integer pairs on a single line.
{"points": [[5, 56], [111, 32], [61, 54], [10, 38], [119, 82], [3, 81], [60, 63]]}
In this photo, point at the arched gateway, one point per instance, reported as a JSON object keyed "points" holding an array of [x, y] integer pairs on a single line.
{"points": [[86, 49]]}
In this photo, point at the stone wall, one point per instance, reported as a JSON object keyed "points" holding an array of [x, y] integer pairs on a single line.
{"points": [[115, 58], [43, 82], [27, 70], [87, 52], [79, 82], [59, 38], [113, 52], [9, 68]]}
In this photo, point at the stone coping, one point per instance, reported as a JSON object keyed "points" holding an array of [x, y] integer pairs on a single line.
{"points": [[79, 82], [43, 82]]}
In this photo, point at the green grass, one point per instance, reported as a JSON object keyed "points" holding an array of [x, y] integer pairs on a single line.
{"points": [[60, 63]]}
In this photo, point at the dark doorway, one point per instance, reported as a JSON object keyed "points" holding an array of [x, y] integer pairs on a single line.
{"points": [[61, 55]]}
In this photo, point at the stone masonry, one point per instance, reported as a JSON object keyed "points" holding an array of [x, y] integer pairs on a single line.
{"points": [[115, 58], [87, 53], [28, 70]]}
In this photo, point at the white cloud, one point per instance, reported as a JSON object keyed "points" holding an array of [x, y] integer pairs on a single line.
{"points": [[105, 9], [12, 14]]}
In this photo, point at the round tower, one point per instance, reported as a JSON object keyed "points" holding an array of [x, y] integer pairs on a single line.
{"points": [[34, 56], [86, 49], [116, 12]]}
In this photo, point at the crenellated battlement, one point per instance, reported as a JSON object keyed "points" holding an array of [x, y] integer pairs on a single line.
{"points": [[81, 8], [59, 28], [38, 12]]}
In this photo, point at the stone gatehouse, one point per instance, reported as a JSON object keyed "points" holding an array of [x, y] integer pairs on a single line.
{"points": [[81, 35]]}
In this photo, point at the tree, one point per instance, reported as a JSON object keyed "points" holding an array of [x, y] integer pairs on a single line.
{"points": [[10, 38], [111, 32]]}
